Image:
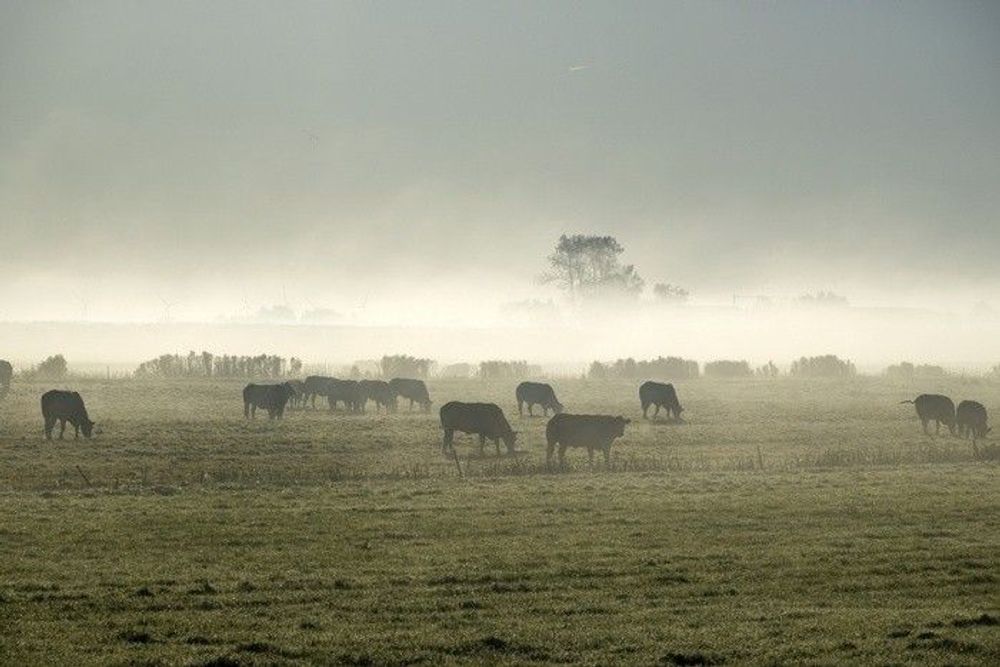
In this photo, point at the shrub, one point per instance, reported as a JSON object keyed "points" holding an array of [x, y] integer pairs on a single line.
{"points": [[906, 370], [828, 365], [405, 366], [673, 368], [207, 365], [53, 368], [498, 370], [768, 371]]}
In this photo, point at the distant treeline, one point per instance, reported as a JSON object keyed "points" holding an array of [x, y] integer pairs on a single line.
{"points": [[507, 370], [405, 366], [672, 368], [207, 364], [827, 365], [906, 370], [727, 369]]}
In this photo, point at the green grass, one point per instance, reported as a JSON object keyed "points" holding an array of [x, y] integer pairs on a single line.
{"points": [[788, 522]]}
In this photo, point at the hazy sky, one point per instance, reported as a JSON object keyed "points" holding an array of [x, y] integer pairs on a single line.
{"points": [[217, 155]]}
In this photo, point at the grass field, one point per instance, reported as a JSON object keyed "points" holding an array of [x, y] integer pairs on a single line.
{"points": [[787, 522]]}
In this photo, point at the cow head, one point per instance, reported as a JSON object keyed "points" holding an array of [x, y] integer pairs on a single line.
{"points": [[87, 427], [620, 423], [509, 440], [557, 407]]}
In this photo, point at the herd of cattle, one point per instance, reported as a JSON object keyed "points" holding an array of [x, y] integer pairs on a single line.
{"points": [[487, 420], [969, 420]]}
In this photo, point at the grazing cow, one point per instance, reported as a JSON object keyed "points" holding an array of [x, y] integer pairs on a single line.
{"points": [[378, 391], [971, 420], [414, 390], [537, 393], [937, 408], [65, 406], [346, 391], [314, 385], [297, 399], [6, 373], [662, 396], [483, 419], [270, 397], [590, 431]]}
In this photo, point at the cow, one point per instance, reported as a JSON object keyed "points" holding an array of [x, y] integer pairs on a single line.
{"points": [[378, 391], [297, 399], [971, 420], [662, 396], [483, 419], [313, 386], [346, 391], [937, 408], [65, 406], [6, 373], [270, 397], [537, 393], [414, 390], [590, 431]]}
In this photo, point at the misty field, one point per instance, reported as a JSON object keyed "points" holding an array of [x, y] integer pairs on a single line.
{"points": [[788, 521]]}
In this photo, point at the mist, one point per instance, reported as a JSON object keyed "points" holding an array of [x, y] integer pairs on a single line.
{"points": [[405, 170]]}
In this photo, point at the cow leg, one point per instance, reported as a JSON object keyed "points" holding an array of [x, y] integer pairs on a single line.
{"points": [[496, 443], [246, 410], [937, 427], [482, 442], [449, 440], [645, 407], [62, 428], [76, 431], [607, 456], [49, 423], [562, 455], [656, 412], [925, 422]]}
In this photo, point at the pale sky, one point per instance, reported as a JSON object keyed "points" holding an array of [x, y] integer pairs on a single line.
{"points": [[219, 156]]}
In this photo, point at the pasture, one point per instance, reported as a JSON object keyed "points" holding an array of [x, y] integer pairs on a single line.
{"points": [[788, 521]]}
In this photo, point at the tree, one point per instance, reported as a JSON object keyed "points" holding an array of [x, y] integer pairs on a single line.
{"points": [[587, 266], [53, 368], [670, 293]]}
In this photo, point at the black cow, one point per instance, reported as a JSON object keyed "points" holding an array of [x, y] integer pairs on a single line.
{"points": [[537, 393], [297, 399], [937, 408], [65, 406], [314, 385], [6, 373], [378, 391], [590, 431], [346, 391], [662, 396], [483, 419], [270, 397], [414, 390], [971, 420]]}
